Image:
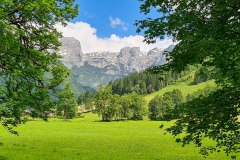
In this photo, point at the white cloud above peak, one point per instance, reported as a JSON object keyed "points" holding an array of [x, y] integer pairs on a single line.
{"points": [[115, 22], [90, 42]]}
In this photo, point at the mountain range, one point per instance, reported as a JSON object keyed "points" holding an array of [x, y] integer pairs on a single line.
{"points": [[90, 69]]}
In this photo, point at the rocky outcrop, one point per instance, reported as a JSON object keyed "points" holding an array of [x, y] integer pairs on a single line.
{"points": [[71, 51], [90, 69]]}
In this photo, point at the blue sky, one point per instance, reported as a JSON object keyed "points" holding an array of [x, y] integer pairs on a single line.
{"points": [[108, 25], [100, 13]]}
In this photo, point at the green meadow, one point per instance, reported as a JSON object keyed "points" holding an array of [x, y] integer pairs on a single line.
{"points": [[184, 87], [87, 138]]}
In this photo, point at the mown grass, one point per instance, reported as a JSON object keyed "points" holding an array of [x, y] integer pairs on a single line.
{"points": [[185, 87], [87, 138]]}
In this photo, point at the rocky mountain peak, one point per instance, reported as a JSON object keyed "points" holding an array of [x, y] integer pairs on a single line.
{"points": [[135, 51], [127, 52], [71, 51], [90, 69], [71, 45], [170, 48], [154, 51]]}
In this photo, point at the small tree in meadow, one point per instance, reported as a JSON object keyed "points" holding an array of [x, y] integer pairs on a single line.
{"points": [[67, 103], [155, 107]]}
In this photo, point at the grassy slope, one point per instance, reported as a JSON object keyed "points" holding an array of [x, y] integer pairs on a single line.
{"points": [[185, 87], [87, 139]]}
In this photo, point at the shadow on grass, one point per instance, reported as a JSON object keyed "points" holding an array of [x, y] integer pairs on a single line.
{"points": [[3, 158], [191, 84], [79, 117], [121, 120], [61, 117]]}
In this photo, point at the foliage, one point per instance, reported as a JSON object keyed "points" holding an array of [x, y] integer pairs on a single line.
{"points": [[145, 83], [67, 103], [102, 103], [82, 98], [207, 33], [109, 106], [155, 107], [29, 67], [137, 106], [203, 75], [168, 105]]}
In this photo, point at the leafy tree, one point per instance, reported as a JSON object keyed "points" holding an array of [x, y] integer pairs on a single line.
{"points": [[207, 33], [167, 105], [137, 106], [115, 106], [178, 100], [102, 102], [67, 103], [34, 114], [155, 108], [125, 110], [177, 97], [82, 98], [89, 104], [202, 75], [29, 42]]}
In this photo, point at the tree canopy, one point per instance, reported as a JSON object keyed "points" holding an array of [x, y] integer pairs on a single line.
{"points": [[207, 32], [67, 103], [30, 71]]}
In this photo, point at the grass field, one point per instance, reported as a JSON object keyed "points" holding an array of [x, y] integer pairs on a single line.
{"points": [[86, 138], [185, 87]]}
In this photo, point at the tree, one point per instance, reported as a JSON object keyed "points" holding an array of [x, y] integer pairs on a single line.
{"points": [[102, 102], [136, 106], [167, 105], [30, 72], [143, 88], [177, 97], [67, 103], [207, 33], [125, 111], [82, 98], [155, 108]]}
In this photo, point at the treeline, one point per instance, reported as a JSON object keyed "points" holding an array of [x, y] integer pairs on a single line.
{"points": [[160, 106], [202, 75], [122, 98], [145, 83], [170, 104], [115, 107]]}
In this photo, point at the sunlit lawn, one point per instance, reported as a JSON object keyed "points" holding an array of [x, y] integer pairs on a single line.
{"points": [[85, 138]]}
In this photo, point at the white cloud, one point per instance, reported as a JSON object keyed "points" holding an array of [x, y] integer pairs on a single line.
{"points": [[117, 21], [91, 43]]}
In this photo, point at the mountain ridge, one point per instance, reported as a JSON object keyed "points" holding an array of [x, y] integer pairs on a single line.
{"points": [[91, 69]]}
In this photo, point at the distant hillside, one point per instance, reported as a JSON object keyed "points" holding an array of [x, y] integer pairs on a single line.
{"points": [[185, 87], [77, 87]]}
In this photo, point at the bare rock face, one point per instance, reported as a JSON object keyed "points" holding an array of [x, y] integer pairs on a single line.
{"points": [[128, 52], [71, 51], [90, 69]]}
